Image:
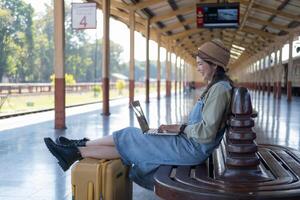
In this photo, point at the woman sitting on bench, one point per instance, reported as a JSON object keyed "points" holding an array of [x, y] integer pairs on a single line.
{"points": [[144, 153]]}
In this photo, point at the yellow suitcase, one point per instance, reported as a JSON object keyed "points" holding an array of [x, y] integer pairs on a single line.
{"points": [[94, 179]]}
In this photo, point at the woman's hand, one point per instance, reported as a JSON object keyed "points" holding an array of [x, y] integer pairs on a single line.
{"points": [[172, 128]]}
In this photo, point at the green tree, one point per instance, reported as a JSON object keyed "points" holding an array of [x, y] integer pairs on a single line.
{"points": [[5, 21], [27, 46], [16, 28], [115, 53], [44, 44]]}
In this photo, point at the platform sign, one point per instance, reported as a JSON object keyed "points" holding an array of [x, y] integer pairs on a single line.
{"points": [[84, 16]]}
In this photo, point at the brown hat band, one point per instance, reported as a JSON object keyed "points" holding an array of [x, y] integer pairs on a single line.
{"points": [[206, 57]]}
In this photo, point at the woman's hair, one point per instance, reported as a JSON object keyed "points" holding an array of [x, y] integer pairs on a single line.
{"points": [[219, 75]]}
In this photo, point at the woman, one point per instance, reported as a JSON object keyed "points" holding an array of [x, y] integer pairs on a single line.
{"points": [[145, 153]]}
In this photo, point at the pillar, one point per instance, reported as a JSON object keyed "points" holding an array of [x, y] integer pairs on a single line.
{"points": [[256, 78], [279, 77], [105, 57], [258, 73], [59, 64], [147, 60], [158, 67], [184, 74], [176, 73], [168, 73], [131, 61], [268, 72], [180, 74], [263, 70], [290, 67], [275, 76]]}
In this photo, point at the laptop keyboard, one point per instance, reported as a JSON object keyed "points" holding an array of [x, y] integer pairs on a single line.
{"points": [[152, 131]]}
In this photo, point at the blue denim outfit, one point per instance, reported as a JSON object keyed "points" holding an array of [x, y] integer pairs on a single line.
{"points": [[145, 153]]}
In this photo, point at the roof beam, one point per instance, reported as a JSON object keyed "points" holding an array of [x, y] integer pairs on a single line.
{"points": [[249, 29], [267, 23], [270, 24], [275, 12], [235, 35], [253, 45], [184, 34], [246, 14], [145, 4], [250, 47], [186, 9], [238, 43], [190, 44], [178, 25], [117, 4], [137, 6]]}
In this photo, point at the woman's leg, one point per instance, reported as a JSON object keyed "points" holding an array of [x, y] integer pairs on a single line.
{"points": [[105, 141], [99, 152]]}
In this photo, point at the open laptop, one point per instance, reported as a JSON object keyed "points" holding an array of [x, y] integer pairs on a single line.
{"points": [[143, 121]]}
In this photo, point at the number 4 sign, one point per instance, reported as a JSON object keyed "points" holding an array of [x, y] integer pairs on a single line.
{"points": [[84, 16]]}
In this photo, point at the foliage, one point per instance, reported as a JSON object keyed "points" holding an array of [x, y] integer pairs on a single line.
{"points": [[44, 45], [69, 79], [27, 47], [120, 85], [96, 89], [140, 70], [16, 39]]}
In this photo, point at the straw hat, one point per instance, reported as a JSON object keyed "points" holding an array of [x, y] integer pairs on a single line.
{"points": [[215, 52]]}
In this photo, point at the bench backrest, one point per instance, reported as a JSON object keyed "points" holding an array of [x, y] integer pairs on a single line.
{"points": [[240, 146], [238, 150]]}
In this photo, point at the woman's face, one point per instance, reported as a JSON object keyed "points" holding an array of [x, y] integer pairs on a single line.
{"points": [[205, 69]]}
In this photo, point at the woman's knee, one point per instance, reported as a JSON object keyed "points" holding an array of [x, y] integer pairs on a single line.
{"points": [[129, 130]]}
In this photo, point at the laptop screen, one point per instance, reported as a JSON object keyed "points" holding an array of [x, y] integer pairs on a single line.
{"points": [[140, 116]]}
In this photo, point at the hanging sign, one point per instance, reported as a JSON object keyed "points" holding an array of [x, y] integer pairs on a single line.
{"points": [[84, 16], [200, 15]]}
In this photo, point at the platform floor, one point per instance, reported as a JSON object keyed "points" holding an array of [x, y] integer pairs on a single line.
{"points": [[28, 171]]}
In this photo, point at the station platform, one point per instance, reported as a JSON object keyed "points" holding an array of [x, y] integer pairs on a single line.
{"points": [[29, 171]]}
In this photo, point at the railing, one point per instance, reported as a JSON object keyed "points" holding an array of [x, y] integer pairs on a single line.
{"points": [[29, 88], [25, 88], [32, 97]]}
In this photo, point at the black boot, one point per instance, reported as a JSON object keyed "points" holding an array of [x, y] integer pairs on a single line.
{"points": [[66, 155], [65, 141]]}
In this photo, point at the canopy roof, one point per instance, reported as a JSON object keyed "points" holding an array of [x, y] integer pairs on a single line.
{"points": [[263, 24]]}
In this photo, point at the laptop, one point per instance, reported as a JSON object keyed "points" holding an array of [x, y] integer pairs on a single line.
{"points": [[143, 121]]}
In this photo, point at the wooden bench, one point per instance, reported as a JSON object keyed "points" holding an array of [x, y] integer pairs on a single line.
{"points": [[238, 168]]}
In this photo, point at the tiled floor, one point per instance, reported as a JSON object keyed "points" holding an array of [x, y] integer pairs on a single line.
{"points": [[278, 121], [28, 171]]}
